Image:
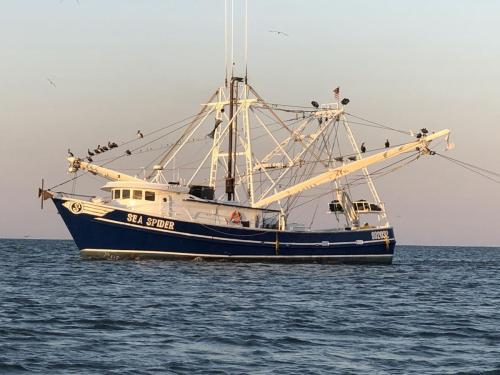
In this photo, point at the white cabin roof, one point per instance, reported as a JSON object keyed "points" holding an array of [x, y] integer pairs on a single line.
{"points": [[145, 185]]}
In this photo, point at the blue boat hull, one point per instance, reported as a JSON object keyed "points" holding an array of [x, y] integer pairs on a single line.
{"points": [[108, 232]]}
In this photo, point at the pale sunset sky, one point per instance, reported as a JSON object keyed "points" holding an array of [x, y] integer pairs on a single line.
{"points": [[73, 73]]}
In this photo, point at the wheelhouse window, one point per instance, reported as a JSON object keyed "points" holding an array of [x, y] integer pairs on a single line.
{"points": [[125, 194], [116, 194], [149, 196], [137, 194]]}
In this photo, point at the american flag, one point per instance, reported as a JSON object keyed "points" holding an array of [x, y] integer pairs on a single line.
{"points": [[337, 93]]}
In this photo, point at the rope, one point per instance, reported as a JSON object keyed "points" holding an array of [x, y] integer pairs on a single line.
{"points": [[472, 168], [382, 126], [135, 149], [361, 178]]}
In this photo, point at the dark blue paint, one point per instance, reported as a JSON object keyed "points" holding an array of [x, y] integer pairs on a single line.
{"points": [[90, 233]]}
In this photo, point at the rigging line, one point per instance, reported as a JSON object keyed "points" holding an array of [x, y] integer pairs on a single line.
{"points": [[307, 174], [76, 195], [276, 105], [470, 165], [361, 178], [379, 172], [143, 150], [274, 122], [143, 145], [373, 126], [376, 123], [314, 215], [68, 180], [305, 163], [156, 130], [470, 169]]}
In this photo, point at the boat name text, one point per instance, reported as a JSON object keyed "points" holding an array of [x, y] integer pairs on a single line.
{"points": [[150, 222]]}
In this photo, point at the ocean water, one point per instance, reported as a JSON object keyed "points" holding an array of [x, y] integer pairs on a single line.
{"points": [[436, 310]]}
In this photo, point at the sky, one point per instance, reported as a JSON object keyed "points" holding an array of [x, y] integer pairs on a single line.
{"points": [[73, 73]]}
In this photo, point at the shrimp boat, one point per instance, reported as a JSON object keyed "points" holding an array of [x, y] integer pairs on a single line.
{"points": [[235, 204], [237, 184]]}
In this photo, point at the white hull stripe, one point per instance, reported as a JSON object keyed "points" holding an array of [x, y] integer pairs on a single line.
{"points": [[177, 254], [318, 244], [87, 208]]}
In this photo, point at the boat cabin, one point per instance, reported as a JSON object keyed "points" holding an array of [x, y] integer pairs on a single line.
{"points": [[193, 203]]}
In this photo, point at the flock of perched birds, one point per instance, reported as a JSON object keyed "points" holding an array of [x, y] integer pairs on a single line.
{"points": [[387, 144], [101, 149], [111, 145]]}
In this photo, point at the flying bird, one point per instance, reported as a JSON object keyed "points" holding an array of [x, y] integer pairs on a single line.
{"points": [[51, 82], [277, 32]]}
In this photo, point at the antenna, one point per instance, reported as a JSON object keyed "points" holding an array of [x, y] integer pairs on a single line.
{"points": [[225, 42], [246, 41], [232, 38]]}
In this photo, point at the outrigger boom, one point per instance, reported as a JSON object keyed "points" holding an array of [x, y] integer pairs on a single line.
{"points": [[421, 145]]}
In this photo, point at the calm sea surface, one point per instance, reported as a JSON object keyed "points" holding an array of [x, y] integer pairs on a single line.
{"points": [[435, 311]]}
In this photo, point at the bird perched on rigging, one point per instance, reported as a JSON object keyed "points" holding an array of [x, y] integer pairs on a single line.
{"points": [[387, 144], [277, 32], [89, 159], [97, 150], [104, 148], [217, 123], [139, 134], [90, 152], [70, 153], [424, 131], [363, 148], [128, 152]]}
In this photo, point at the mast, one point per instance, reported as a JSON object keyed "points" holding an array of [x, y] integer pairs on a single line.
{"points": [[232, 137], [230, 178]]}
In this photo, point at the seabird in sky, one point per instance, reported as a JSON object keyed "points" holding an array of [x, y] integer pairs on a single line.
{"points": [[277, 32]]}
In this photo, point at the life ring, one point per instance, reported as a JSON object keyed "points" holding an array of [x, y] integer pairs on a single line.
{"points": [[235, 217]]}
